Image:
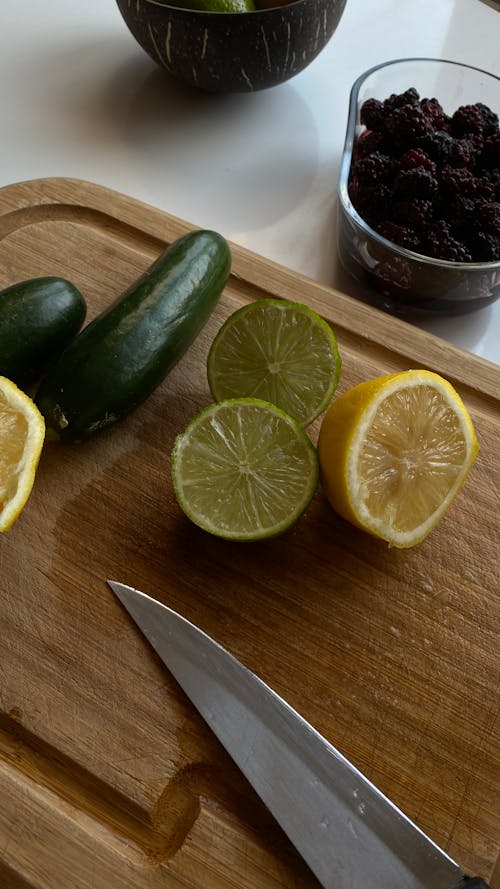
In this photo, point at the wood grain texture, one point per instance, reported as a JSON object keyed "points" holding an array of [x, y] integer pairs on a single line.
{"points": [[107, 776]]}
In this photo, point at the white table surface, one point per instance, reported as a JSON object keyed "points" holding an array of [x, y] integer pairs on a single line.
{"points": [[78, 97]]}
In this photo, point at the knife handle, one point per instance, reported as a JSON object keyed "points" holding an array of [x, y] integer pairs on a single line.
{"points": [[471, 883]]}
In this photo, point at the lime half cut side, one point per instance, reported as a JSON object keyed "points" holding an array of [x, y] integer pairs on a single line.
{"points": [[244, 470], [214, 5], [280, 351]]}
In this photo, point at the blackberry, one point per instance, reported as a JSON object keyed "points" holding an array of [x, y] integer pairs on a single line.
{"points": [[437, 145], [373, 203], [435, 113], [487, 217], [399, 234], [415, 183], [493, 177], [371, 114], [490, 157], [485, 189], [439, 244], [393, 277], [463, 153], [491, 123], [406, 124], [416, 213], [439, 229], [459, 182], [477, 143], [398, 100], [485, 247], [467, 119], [415, 157], [460, 212], [450, 250], [464, 182], [377, 167], [369, 142]]}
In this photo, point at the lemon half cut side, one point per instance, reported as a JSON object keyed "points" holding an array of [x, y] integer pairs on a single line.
{"points": [[394, 452], [22, 433], [244, 470]]}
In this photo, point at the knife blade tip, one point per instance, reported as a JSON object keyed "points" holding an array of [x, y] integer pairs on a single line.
{"points": [[121, 590]]}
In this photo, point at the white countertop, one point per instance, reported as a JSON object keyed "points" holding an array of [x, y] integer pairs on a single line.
{"points": [[80, 98]]}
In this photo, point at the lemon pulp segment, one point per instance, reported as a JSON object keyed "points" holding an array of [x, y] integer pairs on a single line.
{"points": [[411, 457], [395, 451], [22, 432]]}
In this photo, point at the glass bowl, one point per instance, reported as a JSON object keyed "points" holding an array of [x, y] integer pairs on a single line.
{"points": [[398, 279]]}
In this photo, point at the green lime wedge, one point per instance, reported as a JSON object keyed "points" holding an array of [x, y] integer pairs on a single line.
{"points": [[214, 5], [244, 470], [277, 350]]}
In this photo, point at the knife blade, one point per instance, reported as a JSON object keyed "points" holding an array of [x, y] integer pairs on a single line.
{"points": [[348, 832]]}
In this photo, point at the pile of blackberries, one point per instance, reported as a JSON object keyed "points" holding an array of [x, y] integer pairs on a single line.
{"points": [[427, 181]]}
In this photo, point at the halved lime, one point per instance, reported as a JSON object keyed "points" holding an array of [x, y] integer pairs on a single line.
{"points": [[213, 5], [243, 469], [280, 351]]}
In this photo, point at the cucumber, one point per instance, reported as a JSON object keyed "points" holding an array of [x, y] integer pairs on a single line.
{"points": [[38, 318], [123, 355]]}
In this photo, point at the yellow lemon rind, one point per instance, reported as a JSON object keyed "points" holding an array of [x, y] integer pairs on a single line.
{"points": [[32, 451]]}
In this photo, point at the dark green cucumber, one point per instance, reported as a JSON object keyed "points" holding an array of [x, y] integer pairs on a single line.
{"points": [[123, 355], [38, 318]]}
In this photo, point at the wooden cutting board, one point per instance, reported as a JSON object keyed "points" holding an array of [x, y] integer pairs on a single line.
{"points": [[108, 778]]}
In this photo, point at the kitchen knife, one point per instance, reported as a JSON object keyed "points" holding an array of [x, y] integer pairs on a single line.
{"points": [[348, 832]]}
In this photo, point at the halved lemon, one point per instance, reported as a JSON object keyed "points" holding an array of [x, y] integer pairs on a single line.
{"points": [[243, 469], [277, 350], [394, 452], [22, 433]]}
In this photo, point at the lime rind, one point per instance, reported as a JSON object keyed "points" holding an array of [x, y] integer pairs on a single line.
{"points": [[244, 470], [280, 351]]}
